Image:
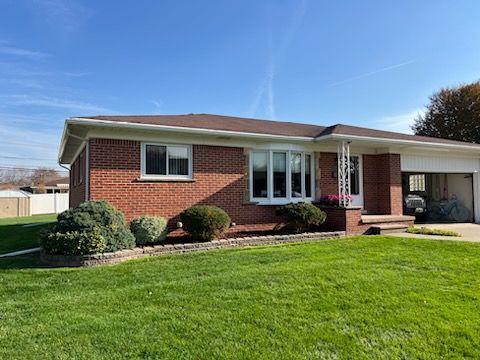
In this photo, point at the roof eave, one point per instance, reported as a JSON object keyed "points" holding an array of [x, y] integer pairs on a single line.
{"points": [[346, 137], [183, 129], [62, 142]]}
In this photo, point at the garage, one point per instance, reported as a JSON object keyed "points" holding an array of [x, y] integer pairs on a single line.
{"points": [[440, 189], [438, 197]]}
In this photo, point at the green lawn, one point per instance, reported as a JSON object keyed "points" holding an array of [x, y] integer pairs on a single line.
{"points": [[14, 236], [376, 297]]}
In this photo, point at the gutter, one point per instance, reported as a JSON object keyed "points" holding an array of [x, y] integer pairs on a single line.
{"points": [[182, 129], [397, 141], [251, 135]]}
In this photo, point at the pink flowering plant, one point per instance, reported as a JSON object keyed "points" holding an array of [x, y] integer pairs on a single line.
{"points": [[334, 199]]}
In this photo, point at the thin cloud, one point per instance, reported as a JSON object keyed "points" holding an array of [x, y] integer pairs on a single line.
{"points": [[400, 122], [15, 51], [265, 92], [44, 101], [371, 73], [67, 16], [13, 69], [158, 103], [24, 83], [36, 145], [76, 74]]}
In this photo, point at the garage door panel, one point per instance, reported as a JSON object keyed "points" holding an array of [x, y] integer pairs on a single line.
{"points": [[425, 163]]}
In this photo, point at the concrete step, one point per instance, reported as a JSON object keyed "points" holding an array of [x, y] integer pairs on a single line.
{"points": [[381, 229], [380, 219]]}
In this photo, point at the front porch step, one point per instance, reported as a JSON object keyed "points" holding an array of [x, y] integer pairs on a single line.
{"points": [[381, 229], [382, 219]]}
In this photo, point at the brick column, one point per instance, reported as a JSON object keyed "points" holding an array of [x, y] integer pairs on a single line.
{"points": [[382, 184]]}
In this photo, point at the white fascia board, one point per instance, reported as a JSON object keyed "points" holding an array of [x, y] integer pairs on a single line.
{"points": [[198, 139], [63, 141], [397, 142], [180, 129]]}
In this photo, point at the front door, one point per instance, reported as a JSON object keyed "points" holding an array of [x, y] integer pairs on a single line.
{"points": [[356, 180]]}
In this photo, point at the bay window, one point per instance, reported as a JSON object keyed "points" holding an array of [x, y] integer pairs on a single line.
{"points": [[308, 175], [296, 174], [278, 177], [259, 171], [166, 161], [279, 174]]}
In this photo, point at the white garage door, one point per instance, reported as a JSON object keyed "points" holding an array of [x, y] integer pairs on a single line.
{"points": [[439, 164]]}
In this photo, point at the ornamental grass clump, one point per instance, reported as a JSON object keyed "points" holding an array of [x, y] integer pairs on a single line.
{"points": [[204, 222], [427, 231], [92, 227], [149, 229]]}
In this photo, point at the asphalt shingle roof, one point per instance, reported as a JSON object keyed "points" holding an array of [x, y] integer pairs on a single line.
{"points": [[246, 125]]}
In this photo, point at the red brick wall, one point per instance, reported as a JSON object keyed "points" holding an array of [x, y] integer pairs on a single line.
{"points": [[382, 181], [327, 183], [77, 182], [382, 184], [219, 174], [345, 219]]}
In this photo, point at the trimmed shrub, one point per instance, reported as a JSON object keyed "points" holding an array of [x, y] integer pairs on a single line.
{"points": [[149, 229], [73, 243], [301, 216], [88, 219], [204, 222]]}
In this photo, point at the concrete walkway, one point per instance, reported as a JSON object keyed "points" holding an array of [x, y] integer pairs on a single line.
{"points": [[469, 232], [20, 252]]}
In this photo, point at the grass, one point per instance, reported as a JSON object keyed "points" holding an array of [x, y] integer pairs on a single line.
{"points": [[363, 297], [14, 236], [427, 231]]}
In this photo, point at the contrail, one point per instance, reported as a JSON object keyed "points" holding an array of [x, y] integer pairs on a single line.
{"points": [[388, 68]]}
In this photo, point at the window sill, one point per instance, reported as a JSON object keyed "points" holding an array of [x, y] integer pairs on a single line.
{"points": [[149, 179], [267, 202]]}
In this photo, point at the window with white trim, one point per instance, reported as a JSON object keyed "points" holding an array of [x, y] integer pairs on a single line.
{"points": [[279, 177], [166, 161]]}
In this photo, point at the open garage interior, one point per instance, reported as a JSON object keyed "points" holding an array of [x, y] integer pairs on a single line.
{"points": [[438, 197]]}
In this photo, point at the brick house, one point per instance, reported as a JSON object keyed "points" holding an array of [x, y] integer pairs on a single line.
{"points": [[161, 165]]}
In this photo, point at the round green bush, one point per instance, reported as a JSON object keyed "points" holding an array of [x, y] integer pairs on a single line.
{"points": [[301, 216], [73, 243], [204, 222], [149, 229], [95, 216]]}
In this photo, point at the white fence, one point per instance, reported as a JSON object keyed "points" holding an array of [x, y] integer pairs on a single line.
{"points": [[48, 203]]}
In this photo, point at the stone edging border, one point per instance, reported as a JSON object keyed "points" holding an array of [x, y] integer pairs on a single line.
{"points": [[123, 255]]}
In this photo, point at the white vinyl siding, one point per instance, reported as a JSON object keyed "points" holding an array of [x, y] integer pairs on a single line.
{"points": [[438, 164]]}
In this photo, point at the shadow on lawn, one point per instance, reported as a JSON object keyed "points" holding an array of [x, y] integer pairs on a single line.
{"points": [[29, 261]]}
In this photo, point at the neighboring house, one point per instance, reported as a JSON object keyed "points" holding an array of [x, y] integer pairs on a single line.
{"points": [[161, 165], [53, 186]]}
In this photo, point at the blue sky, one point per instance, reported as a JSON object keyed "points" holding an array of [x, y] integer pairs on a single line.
{"points": [[366, 63]]}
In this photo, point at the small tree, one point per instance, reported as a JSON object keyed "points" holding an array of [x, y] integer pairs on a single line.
{"points": [[453, 113]]}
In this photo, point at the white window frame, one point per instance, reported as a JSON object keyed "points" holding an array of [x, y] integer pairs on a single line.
{"points": [[143, 162], [270, 199]]}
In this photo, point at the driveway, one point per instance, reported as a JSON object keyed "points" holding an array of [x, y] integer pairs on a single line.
{"points": [[469, 232]]}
